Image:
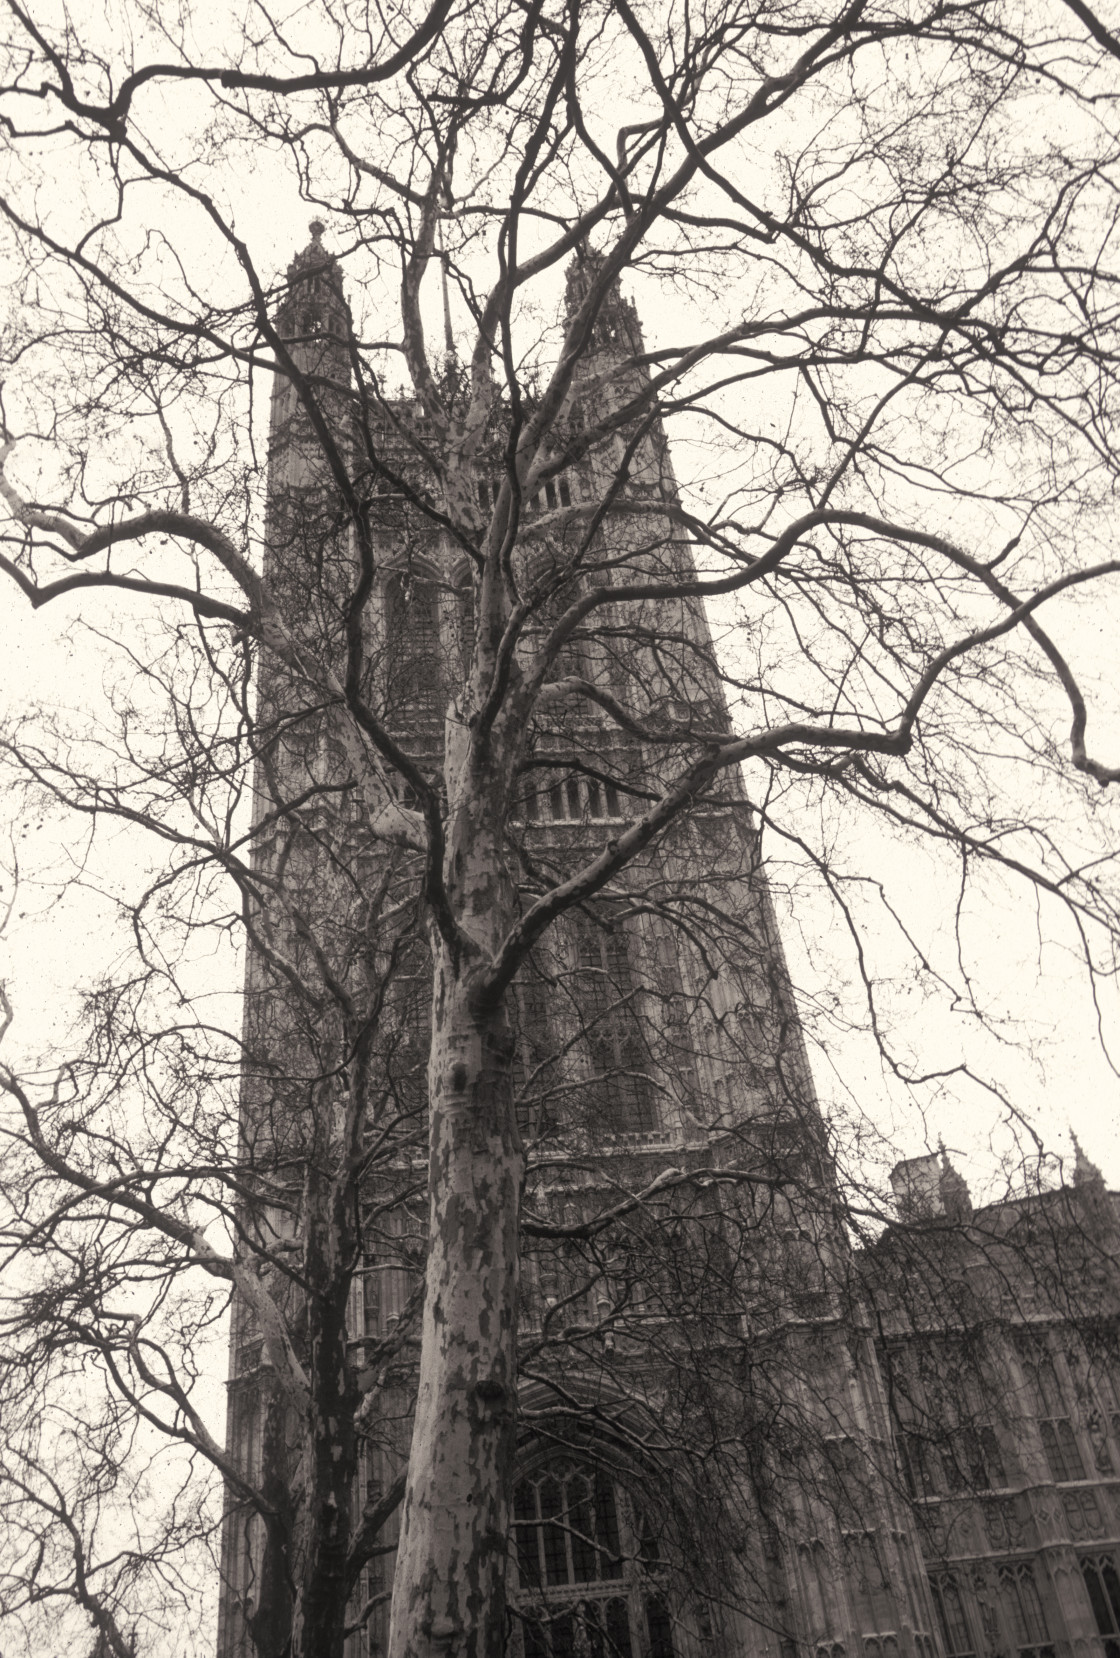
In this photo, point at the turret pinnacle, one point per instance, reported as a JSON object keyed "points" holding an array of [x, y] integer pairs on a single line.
{"points": [[314, 302], [1091, 1192], [616, 325], [956, 1200], [1085, 1172]]}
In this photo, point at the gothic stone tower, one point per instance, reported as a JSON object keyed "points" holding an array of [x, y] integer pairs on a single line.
{"points": [[702, 1422]]}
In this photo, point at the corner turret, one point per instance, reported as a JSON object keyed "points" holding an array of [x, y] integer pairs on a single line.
{"points": [[1090, 1191], [313, 304], [930, 1188], [313, 320]]}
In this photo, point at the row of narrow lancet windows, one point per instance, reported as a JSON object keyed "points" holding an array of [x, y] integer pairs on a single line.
{"points": [[583, 1059], [1074, 1426], [551, 495], [421, 663], [992, 1614], [970, 1459], [1103, 1585], [571, 799], [415, 673], [980, 1609]]}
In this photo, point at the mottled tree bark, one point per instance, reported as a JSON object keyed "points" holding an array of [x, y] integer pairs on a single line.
{"points": [[449, 1589], [331, 1451]]}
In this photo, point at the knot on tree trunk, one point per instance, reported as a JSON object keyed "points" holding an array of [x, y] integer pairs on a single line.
{"points": [[444, 1630]]}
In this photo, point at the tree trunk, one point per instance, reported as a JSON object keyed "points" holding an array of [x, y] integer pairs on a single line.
{"points": [[449, 1587], [270, 1621], [319, 1623]]}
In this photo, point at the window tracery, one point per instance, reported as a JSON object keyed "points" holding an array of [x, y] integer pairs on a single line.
{"points": [[591, 1582]]}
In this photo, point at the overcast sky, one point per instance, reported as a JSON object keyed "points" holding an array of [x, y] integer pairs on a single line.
{"points": [[1050, 1064]]}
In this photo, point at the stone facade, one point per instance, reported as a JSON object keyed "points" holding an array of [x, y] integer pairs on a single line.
{"points": [[1005, 1412], [711, 1411]]}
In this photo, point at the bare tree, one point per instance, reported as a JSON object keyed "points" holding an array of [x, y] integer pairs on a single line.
{"points": [[429, 697]]}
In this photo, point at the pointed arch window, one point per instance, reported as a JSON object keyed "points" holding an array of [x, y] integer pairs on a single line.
{"points": [[590, 1578], [412, 650], [571, 797], [1024, 1613], [956, 1628], [1103, 1585]]}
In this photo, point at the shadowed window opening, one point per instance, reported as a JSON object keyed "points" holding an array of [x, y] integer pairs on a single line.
{"points": [[1062, 1454], [1024, 1613], [955, 1629], [571, 799], [1103, 1585], [412, 647], [972, 1461]]}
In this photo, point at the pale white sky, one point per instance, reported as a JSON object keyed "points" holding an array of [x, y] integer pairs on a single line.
{"points": [[1050, 1064]]}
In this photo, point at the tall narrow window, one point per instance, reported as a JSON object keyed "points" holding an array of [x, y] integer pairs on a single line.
{"points": [[393, 1259], [955, 1629], [1062, 1454], [1024, 1612], [972, 1460], [1103, 1585], [874, 1603], [412, 652], [914, 1453], [575, 798], [1046, 1398], [622, 1098]]}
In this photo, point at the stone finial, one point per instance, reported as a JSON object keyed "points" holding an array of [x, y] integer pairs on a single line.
{"points": [[956, 1199], [316, 227], [1085, 1171], [583, 267], [1091, 1193]]}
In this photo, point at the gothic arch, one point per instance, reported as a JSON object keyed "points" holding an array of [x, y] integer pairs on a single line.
{"points": [[607, 1557], [413, 566], [589, 1578]]}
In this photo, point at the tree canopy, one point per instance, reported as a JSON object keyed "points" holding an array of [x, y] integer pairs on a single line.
{"points": [[800, 543]]}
